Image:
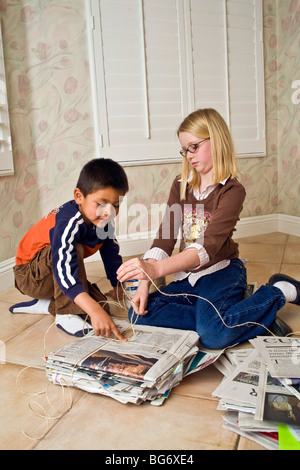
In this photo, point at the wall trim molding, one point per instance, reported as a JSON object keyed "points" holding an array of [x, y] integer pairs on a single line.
{"points": [[251, 226], [6, 274], [140, 243]]}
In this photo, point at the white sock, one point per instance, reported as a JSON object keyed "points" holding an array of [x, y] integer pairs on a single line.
{"points": [[288, 289], [36, 306], [73, 324]]}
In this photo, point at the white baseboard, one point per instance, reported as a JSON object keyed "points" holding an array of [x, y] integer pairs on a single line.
{"points": [[6, 274], [251, 226], [289, 224], [138, 244]]}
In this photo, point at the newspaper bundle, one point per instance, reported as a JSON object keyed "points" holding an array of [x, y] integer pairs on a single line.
{"points": [[144, 368], [261, 389]]}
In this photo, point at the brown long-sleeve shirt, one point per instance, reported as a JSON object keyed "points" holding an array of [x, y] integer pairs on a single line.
{"points": [[209, 222]]}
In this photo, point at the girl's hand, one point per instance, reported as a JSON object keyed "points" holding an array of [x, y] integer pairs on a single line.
{"points": [[140, 298], [136, 268]]}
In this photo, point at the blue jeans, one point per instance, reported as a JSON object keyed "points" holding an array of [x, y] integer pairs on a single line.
{"points": [[242, 318]]}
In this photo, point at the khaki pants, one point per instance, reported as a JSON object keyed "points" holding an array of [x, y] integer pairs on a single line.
{"points": [[36, 279]]}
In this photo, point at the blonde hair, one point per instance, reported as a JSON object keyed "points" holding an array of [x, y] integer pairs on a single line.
{"points": [[208, 123]]}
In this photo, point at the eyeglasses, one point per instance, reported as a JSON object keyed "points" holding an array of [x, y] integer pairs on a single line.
{"points": [[192, 148]]}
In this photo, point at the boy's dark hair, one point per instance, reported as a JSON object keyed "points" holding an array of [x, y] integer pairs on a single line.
{"points": [[101, 173]]}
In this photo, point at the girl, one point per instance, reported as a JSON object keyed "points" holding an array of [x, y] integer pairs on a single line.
{"points": [[207, 294]]}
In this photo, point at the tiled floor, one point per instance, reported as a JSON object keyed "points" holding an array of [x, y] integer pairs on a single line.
{"points": [[188, 420]]}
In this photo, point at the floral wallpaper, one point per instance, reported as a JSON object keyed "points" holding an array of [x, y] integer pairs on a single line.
{"points": [[50, 110], [46, 59], [273, 183]]}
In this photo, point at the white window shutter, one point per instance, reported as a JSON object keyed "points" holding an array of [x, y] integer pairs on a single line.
{"points": [[227, 55], [155, 61], [209, 49], [246, 80], [140, 102]]}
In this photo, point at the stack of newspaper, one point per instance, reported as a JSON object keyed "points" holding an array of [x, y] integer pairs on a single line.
{"points": [[260, 390], [145, 368]]}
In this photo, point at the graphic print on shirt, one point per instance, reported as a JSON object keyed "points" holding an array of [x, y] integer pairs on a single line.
{"points": [[54, 211], [194, 223]]}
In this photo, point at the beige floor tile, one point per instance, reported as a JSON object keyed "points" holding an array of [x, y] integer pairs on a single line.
{"points": [[12, 295], [293, 240], [104, 286], [292, 270], [14, 324], [262, 252], [290, 313], [24, 395], [97, 422], [94, 279], [292, 254], [36, 342], [201, 384], [261, 272], [269, 238], [246, 444], [94, 268]]}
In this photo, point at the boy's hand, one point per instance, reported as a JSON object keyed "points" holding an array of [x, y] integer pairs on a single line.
{"points": [[101, 322], [103, 325]]}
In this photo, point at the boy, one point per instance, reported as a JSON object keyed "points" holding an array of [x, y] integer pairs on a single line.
{"points": [[50, 257]]}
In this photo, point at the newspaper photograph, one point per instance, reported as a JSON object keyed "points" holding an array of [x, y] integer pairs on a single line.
{"points": [[292, 385], [132, 365], [274, 402]]}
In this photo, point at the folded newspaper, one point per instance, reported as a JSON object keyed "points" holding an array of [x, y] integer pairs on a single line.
{"points": [[145, 368], [281, 354], [261, 389]]}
